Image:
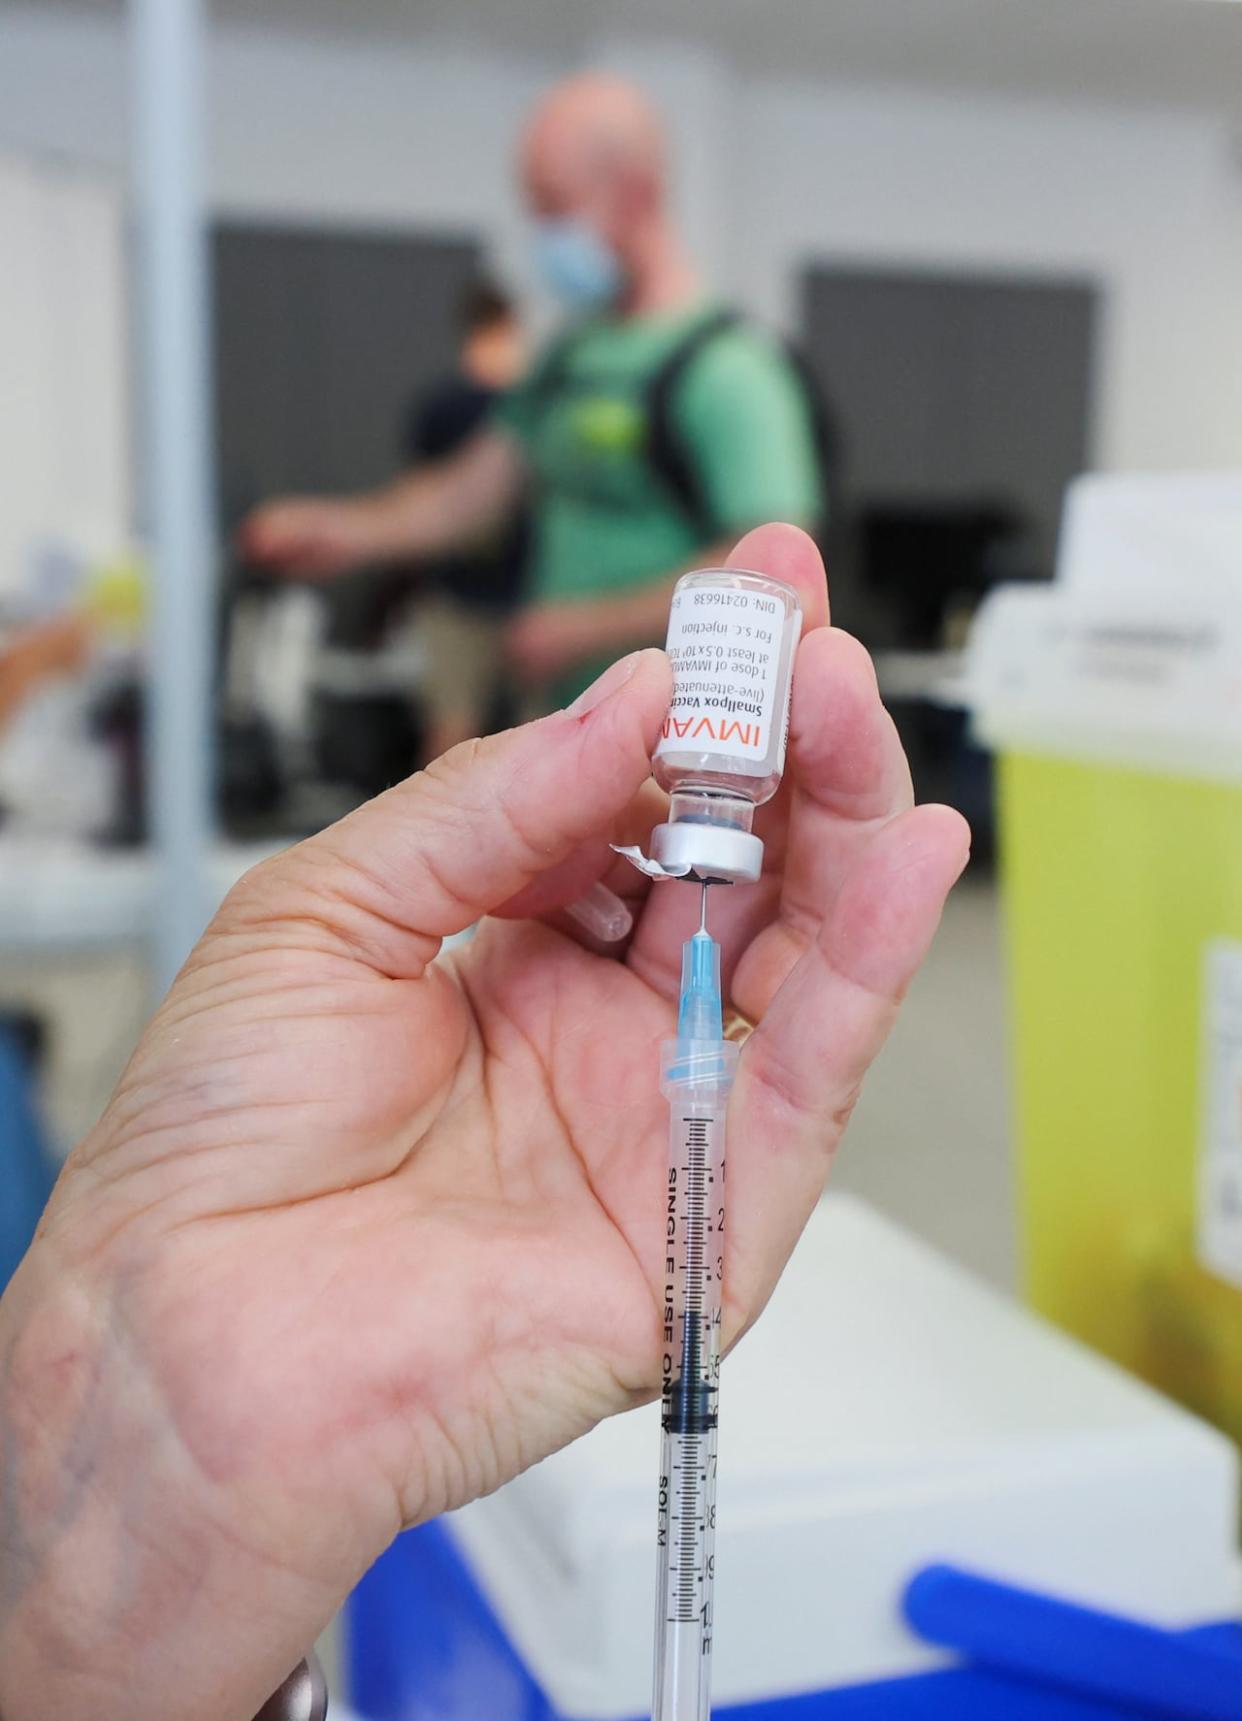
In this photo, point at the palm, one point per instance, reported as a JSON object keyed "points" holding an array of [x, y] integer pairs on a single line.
{"points": [[491, 1124]]}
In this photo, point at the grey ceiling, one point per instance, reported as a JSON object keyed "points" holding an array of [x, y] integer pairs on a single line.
{"points": [[1175, 51]]}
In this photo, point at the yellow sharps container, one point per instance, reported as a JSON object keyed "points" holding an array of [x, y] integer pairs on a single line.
{"points": [[1114, 705], [1119, 887]]}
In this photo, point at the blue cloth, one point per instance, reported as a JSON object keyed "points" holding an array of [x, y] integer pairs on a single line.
{"points": [[26, 1174]]}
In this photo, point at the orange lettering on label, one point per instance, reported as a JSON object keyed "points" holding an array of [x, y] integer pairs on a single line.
{"points": [[748, 734]]}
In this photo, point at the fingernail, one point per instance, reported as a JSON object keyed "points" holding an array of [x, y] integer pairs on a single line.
{"points": [[613, 678], [602, 913]]}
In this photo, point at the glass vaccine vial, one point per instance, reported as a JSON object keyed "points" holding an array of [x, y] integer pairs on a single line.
{"points": [[732, 637]]}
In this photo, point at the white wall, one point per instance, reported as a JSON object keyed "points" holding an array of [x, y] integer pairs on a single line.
{"points": [[64, 397], [1149, 202]]}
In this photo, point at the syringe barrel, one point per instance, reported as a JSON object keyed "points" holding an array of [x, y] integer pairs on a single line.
{"points": [[696, 1076]]}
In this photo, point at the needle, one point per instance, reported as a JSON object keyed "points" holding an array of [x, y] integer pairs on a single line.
{"points": [[703, 910]]}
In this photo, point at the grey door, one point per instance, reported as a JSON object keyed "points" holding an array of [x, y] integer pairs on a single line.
{"points": [[953, 388], [322, 339]]}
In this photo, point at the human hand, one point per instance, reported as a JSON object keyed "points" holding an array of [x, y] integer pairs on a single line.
{"points": [[307, 536], [40, 653], [546, 639], [367, 1229], [60, 646]]}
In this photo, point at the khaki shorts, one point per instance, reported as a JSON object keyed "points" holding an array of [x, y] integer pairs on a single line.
{"points": [[465, 660]]}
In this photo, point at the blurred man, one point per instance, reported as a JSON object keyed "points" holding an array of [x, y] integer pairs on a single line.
{"points": [[648, 436], [476, 588]]}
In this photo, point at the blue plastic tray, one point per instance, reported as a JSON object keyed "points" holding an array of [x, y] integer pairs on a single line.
{"points": [[425, 1646]]}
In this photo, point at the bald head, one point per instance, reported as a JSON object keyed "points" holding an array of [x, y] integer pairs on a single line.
{"points": [[594, 147]]}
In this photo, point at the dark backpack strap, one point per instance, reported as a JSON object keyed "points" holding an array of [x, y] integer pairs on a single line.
{"points": [[553, 367], [666, 450], [825, 437]]}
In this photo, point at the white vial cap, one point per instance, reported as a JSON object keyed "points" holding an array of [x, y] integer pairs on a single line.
{"points": [[716, 854]]}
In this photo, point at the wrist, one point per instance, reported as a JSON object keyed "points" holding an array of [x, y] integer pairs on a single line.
{"points": [[52, 1405], [637, 618], [124, 1573]]}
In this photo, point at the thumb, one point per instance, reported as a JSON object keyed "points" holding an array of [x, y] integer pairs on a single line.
{"points": [[432, 855]]}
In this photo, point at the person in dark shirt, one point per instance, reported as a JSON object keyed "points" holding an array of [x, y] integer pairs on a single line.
{"points": [[474, 591]]}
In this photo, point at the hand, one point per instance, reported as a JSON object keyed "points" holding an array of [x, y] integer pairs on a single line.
{"points": [[367, 1229], [40, 653], [547, 639], [307, 536], [60, 646]]}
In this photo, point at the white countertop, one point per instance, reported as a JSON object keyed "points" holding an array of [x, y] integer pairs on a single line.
{"points": [[60, 894]]}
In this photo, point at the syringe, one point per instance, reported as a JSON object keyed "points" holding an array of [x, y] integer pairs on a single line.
{"points": [[696, 1075]]}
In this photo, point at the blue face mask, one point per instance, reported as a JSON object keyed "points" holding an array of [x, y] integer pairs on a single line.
{"points": [[579, 267]]}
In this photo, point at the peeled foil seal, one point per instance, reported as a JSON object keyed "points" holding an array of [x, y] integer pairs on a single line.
{"points": [[652, 868], [708, 854]]}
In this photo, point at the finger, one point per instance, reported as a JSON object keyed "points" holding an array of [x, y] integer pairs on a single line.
{"points": [[788, 554], [592, 863], [849, 776], [434, 854], [802, 1069], [601, 918]]}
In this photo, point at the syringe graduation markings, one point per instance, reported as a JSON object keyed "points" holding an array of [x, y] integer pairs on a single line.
{"points": [[697, 1072]]}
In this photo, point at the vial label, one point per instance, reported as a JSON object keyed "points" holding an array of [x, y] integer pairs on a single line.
{"points": [[724, 644]]}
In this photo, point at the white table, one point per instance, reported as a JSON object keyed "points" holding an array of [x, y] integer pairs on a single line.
{"points": [[59, 895]]}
